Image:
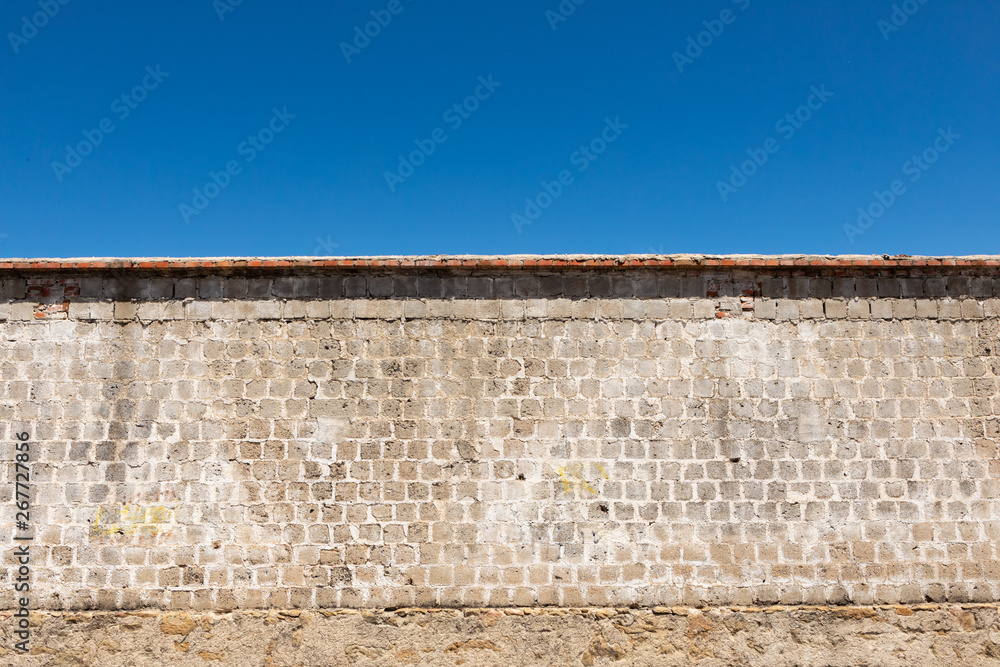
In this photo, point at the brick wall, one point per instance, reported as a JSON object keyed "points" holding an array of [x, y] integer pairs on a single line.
{"points": [[454, 432]]}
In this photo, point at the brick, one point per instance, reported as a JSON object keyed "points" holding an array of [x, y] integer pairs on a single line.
{"points": [[858, 309], [811, 309], [787, 309], [765, 309], [835, 308], [77, 311], [882, 309], [904, 309]]}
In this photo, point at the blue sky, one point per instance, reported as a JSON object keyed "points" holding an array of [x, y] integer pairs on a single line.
{"points": [[207, 128]]}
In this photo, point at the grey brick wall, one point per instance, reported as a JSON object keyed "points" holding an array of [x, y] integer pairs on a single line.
{"points": [[607, 438]]}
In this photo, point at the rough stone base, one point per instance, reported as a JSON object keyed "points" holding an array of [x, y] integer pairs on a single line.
{"points": [[775, 637]]}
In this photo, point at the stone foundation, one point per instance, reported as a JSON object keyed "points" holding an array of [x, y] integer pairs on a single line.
{"points": [[898, 636]]}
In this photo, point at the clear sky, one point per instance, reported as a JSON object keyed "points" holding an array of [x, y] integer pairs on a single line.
{"points": [[206, 128]]}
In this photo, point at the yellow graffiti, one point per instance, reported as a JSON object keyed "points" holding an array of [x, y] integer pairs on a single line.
{"points": [[573, 475], [129, 519]]}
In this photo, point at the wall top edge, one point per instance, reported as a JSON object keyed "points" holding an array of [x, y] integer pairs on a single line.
{"points": [[510, 262]]}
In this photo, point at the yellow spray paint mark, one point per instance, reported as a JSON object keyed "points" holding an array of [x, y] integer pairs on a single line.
{"points": [[573, 475], [133, 519]]}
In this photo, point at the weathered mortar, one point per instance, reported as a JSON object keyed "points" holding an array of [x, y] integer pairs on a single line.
{"points": [[223, 437]]}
